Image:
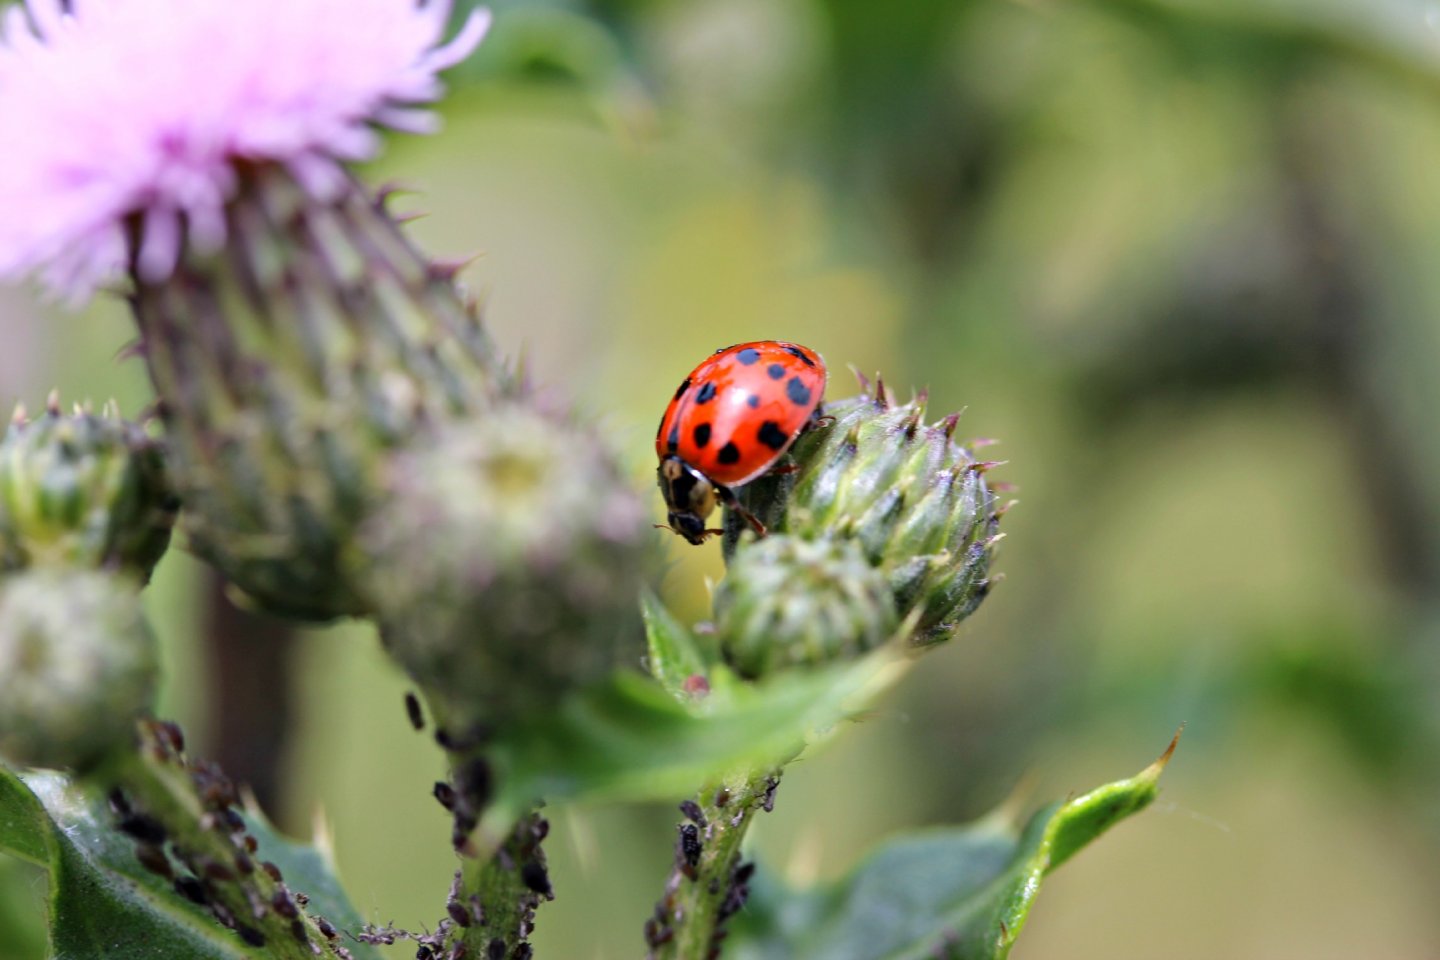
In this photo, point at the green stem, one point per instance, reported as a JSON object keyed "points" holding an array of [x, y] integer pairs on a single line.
{"points": [[175, 808], [493, 900], [503, 891], [709, 881]]}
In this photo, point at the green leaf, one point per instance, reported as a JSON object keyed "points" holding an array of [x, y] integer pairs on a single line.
{"points": [[959, 893], [674, 655], [104, 904], [24, 826], [629, 739], [311, 870]]}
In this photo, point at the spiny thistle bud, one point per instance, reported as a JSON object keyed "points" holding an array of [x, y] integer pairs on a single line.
{"points": [[78, 665], [506, 563], [82, 491], [292, 332], [289, 368], [915, 501], [786, 601]]}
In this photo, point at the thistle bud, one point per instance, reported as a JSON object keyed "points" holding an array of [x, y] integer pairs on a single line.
{"points": [[289, 366], [506, 564], [78, 665], [914, 502], [787, 601], [82, 491]]}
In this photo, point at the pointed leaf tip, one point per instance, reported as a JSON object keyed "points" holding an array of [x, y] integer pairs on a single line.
{"points": [[1158, 767]]}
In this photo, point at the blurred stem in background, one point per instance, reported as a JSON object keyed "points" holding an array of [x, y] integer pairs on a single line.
{"points": [[250, 660]]}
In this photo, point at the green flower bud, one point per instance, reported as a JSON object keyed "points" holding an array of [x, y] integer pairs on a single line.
{"points": [[786, 601], [82, 491], [507, 563], [289, 364], [914, 501], [78, 666]]}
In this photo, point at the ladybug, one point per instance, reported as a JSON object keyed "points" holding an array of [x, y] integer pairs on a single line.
{"points": [[730, 421]]}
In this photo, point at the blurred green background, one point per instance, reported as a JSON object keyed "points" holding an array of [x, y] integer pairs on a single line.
{"points": [[1181, 257]]}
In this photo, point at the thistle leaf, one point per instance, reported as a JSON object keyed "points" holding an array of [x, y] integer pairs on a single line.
{"points": [[956, 893], [104, 904]]}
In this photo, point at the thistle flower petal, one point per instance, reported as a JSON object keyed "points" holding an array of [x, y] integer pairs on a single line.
{"points": [[124, 109]]}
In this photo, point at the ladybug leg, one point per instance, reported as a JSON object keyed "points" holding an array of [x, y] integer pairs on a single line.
{"points": [[784, 468], [727, 497], [818, 419]]}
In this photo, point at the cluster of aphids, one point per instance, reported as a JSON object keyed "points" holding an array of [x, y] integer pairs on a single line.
{"points": [[465, 797], [236, 890], [690, 840]]}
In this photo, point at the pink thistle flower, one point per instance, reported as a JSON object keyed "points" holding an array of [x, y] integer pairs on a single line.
{"points": [[126, 118]]}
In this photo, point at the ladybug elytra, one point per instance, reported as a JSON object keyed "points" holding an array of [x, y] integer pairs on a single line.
{"points": [[731, 420]]}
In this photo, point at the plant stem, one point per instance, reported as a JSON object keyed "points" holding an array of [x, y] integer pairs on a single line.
{"points": [[709, 883], [495, 894], [165, 801], [502, 892]]}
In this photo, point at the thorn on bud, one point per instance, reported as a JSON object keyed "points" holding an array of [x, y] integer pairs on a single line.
{"points": [[133, 350], [389, 191], [52, 403], [446, 270], [18, 418]]}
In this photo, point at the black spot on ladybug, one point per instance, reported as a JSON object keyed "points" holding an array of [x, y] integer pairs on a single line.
{"points": [[771, 435], [776, 371], [702, 435], [683, 387], [706, 394], [798, 393], [799, 354], [729, 454], [672, 442], [748, 356], [754, 401]]}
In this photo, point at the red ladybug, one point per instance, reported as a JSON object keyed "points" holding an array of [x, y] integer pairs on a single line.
{"points": [[731, 420]]}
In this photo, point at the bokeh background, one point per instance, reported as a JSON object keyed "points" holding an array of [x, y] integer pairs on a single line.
{"points": [[1182, 257]]}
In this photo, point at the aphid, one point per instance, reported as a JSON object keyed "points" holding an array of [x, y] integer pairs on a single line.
{"points": [[144, 828], [413, 711], [534, 876], [731, 421]]}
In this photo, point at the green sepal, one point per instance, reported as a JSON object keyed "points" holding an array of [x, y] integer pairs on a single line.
{"points": [[957, 893]]}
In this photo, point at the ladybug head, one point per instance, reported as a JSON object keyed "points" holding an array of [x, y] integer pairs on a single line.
{"points": [[690, 496]]}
